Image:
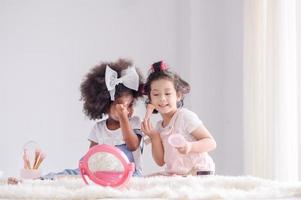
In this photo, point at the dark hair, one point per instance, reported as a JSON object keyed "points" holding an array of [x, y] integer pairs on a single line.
{"points": [[159, 70], [94, 92]]}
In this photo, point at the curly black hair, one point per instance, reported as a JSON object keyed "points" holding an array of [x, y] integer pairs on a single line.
{"points": [[94, 92], [159, 70]]}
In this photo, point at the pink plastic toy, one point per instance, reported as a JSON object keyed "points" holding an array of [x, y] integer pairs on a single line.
{"points": [[106, 165], [176, 140]]}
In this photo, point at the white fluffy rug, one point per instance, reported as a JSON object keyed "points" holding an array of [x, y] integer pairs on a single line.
{"points": [[205, 187]]}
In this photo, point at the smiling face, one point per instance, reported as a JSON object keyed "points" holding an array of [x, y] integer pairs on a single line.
{"points": [[163, 96]]}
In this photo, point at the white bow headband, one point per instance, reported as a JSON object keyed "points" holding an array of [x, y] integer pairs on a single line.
{"points": [[129, 78]]}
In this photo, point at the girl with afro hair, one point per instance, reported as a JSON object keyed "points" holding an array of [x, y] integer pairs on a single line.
{"points": [[109, 92]]}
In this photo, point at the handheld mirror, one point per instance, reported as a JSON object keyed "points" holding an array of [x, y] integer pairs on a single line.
{"points": [[106, 165]]}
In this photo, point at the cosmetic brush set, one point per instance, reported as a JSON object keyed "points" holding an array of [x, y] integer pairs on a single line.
{"points": [[32, 159], [39, 157]]}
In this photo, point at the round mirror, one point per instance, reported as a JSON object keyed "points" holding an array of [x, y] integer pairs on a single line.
{"points": [[106, 165]]}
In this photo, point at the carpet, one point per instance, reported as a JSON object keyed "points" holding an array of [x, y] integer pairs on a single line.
{"points": [[176, 187]]}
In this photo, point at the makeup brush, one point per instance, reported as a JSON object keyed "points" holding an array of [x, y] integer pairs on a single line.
{"points": [[41, 158], [149, 110], [26, 160], [37, 157]]}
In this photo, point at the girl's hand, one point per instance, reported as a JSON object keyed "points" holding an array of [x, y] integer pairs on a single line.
{"points": [[185, 149], [121, 111], [148, 129]]}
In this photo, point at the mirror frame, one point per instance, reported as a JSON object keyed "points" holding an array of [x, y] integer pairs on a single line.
{"points": [[129, 167]]}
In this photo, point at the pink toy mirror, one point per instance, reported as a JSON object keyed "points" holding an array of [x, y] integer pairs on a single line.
{"points": [[106, 165]]}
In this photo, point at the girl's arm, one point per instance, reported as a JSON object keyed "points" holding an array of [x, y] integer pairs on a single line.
{"points": [[205, 142], [131, 140], [157, 150], [157, 146]]}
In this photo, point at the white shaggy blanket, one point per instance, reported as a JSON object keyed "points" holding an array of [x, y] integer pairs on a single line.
{"points": [[205, 187]]}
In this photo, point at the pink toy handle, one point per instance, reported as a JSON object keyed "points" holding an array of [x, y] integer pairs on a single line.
{"points": [[82, 172]]}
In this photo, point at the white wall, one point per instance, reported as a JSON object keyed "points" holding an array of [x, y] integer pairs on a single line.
{"points": [[47, 47], [216, 75], [298, 13]]}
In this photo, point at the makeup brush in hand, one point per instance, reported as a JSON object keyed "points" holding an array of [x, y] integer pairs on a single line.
{"points": [[149, 110]]}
